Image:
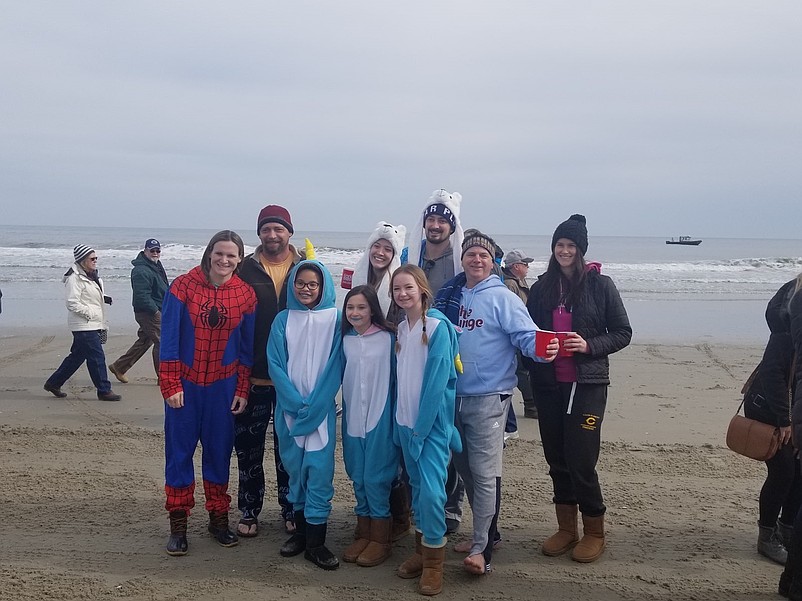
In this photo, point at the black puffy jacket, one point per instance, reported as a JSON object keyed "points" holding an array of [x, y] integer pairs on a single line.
{"points": [[777, 310], [795, 319], [600, 318], [767, 399]]}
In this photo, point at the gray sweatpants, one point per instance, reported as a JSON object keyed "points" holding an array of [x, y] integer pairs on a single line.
{"points": [[480, 422]]}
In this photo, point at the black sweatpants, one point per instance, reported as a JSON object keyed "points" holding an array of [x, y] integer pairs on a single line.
{"points": [[570, 427]]}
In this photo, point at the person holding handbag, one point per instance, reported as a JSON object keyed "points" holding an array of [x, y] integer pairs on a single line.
{"points": [[790, 585], [767, 400]]}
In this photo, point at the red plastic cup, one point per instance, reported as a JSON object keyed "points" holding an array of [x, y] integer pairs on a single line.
{"points": [[542, 340], [544, 337], [563, 352], [347, 279]]}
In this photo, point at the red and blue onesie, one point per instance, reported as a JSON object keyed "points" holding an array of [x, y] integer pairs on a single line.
{"points": [[206, 351]]}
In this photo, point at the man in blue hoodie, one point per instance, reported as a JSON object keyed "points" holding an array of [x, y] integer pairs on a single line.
{"points": [[494, 323]]}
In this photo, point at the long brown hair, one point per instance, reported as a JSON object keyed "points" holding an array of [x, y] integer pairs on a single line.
{"points": [[557, 288], [377, 317], [426, 295], [221, 236]]}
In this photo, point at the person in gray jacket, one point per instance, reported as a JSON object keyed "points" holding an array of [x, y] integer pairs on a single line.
{"points": [[516, 266], [149, 283]]}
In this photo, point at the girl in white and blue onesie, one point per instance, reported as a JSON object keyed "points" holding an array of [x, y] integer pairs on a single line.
{"points": [[427, 355], [304, 357], [371, 458]]}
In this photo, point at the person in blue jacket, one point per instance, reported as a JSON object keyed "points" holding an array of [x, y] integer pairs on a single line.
{"points": [[371, 458], [494, 324], [427, 358], [303, 353]]}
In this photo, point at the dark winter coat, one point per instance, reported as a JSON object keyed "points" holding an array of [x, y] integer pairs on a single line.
{"points": [[149, 284], [600, 318], [269, 303], [777, 310], [795, 320], [767, 399]]}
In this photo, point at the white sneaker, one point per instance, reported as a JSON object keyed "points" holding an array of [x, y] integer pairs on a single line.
{"points": [[511, 435]]}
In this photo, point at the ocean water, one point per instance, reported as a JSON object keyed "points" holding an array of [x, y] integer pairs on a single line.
{"points": [[715, 292]]}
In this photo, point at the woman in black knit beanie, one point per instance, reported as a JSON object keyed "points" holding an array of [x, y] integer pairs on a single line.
{"points": [[571, 392]]}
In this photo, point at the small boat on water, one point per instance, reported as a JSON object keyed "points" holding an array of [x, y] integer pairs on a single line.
{"points": [[686, 240]]}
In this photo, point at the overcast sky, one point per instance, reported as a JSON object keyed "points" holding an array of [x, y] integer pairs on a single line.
{"points": [[651, 118]]}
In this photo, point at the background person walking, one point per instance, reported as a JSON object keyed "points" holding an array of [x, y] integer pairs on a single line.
{"points": [[86, 318], [148, 283]]}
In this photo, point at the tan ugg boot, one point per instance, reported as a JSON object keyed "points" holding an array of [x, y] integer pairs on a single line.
{"points": [[413, 566], [566, 536], [361, 539], [431, 579], [591, 546], [379, 548]]}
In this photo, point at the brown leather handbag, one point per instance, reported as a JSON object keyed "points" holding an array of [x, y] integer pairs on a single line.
{"points": [[751, 438]]}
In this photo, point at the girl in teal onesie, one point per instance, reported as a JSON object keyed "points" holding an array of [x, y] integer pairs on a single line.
{"points": [[371, 458], [427, 356], [303, 353]]}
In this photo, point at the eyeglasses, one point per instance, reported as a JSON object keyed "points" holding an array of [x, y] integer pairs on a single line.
{"points": [[312, 286], [92, 258], [155, 251]]}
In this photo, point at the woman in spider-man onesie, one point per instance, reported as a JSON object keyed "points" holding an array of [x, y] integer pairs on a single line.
{"points": [[206, 359]]}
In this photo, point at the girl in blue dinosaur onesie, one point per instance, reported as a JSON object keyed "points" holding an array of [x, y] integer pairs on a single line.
{"points": [[427, 360], [303, 353], [371, 458]]}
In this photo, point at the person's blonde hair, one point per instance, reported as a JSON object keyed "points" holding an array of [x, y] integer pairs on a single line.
{"points": [[798, 285], [426, 296]]}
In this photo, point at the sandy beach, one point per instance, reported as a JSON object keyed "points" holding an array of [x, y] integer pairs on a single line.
{"points": [[84, 518]]}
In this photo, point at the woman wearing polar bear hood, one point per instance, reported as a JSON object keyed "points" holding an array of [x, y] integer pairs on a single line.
{"points": [[376, 264]]}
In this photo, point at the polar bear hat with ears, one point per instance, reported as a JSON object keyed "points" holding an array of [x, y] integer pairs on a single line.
{"points": [[447, 205], [395, 235]]}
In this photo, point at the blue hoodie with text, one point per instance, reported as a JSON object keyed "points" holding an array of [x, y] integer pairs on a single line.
{"points": [[494, 323]]}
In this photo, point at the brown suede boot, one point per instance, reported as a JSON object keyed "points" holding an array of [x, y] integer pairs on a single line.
{"points": [[379, 548], [431, 580], [413, 566], [566, 536], [592, 544], [400, 510], [361, 539]]}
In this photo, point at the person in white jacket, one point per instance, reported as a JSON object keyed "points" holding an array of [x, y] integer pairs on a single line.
{"points": [[86, 318]]}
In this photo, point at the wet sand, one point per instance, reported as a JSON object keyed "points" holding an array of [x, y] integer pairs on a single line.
{"points": [[84, 517]]}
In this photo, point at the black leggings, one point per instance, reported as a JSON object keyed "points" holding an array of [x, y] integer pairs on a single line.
{"points": [[781, 493]]}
